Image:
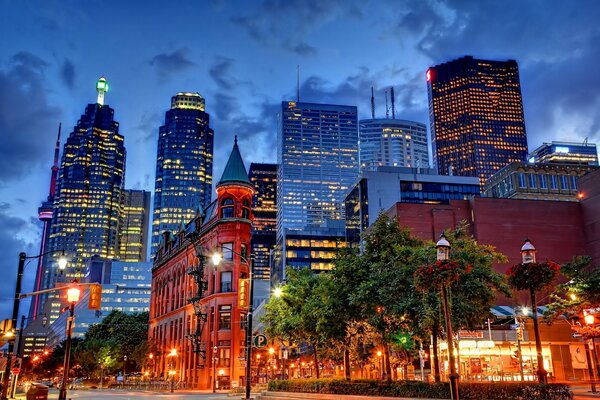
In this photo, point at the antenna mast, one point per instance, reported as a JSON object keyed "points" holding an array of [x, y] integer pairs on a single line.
{"points": [[387, 109], [393, 107], [372, 104]]}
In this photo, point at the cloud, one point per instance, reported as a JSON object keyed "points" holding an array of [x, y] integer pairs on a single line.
{"points": [[10, 246], [286, 24], [167, 64], [26, 117], [220, 71], [67, 73]]}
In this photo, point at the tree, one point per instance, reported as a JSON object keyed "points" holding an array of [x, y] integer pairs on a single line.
{"points": [[294, 315]]}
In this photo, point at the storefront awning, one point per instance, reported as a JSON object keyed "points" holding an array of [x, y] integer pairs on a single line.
{"points": [[510, 312]]}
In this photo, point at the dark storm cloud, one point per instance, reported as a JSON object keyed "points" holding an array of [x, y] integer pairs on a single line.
{"points": [[167, 64], [10, 246], [67, 73], [286, 23], [26, 118], [148, 126]]}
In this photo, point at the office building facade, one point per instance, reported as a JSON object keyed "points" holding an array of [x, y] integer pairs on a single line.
{"points": [[565, 153], [89, 191], [184, 162], [476, 116], [376, 191], [264, 179], [125, 287], [547, 181], [133, 232], [317, 156], [392, 143]]}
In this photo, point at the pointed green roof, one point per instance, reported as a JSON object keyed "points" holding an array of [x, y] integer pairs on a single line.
{"points": [[235, 170]]}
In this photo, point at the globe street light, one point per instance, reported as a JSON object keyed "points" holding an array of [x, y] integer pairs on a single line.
{"points": [[172, 354], [73, 293], [62, 263]]}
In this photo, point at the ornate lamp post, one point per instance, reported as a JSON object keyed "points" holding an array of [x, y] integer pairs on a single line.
{"points": [[443, 254], [72, 297], [528, 251]]}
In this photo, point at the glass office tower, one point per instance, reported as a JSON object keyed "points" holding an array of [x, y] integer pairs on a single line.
{"points": [[476, 116], [264, 179], [392, 143], [565, 153], [89, 190], [184, 162], [317, 154], [133, 235]]}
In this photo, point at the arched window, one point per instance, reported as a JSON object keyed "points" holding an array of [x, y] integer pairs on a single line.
{"points": [[246, 209], [227, 208]]}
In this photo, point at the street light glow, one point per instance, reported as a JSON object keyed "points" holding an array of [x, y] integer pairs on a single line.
{"points": [[62, 263], [73, 294], [277, 292], [173, 352], [216, 258]]}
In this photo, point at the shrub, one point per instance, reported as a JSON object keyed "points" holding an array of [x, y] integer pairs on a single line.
{"points": [[468, 391]]}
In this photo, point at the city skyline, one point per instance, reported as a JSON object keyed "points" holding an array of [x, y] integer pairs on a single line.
{"points": [[45, 76]]}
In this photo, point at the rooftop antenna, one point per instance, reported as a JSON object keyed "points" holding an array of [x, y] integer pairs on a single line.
{"points": [[387, 109], [585, 141], [393, 107], [298, 83], [372, 104]]}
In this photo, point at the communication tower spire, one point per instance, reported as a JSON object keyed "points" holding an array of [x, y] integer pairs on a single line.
{"points": [[393, 100], [387, 108]]}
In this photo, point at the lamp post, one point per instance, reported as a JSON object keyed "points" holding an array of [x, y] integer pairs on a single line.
{"points": [[216, 258], [590, 320], [72, 297], [172, 354], [443, 253], [528, 251], [214, 362], [379, 354], [62, 264]]}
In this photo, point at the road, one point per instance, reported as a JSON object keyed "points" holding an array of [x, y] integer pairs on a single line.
{"points": [[126, 395]]}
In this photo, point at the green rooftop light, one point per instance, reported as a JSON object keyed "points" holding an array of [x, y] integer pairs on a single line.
{"points": [[102, 85]]}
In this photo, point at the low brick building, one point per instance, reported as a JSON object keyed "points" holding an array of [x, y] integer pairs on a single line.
{"points": [[195, 320]]}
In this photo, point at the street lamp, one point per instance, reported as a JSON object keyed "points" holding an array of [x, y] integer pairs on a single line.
{"points": [[528, 251], [520, 329], [172, 354], [379, 354], [62, 263], [443, 254], [216, 259], [73, 293]]}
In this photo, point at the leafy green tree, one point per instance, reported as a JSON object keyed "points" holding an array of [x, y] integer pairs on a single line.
{"points": [[294, 315]]}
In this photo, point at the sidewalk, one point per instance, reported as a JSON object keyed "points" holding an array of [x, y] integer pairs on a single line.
{"points": [[582, 391]]}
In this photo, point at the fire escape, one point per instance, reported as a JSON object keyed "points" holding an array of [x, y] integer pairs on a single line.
{"points": [[197, 272]]}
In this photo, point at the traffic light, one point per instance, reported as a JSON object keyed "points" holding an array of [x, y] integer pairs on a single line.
{"points": [[243, 292], [95, 299]]}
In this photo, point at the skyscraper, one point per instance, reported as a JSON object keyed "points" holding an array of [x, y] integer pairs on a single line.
{"points": [[476, 116], [392, 143], [184, 161], [264, 179], [317, 154], [133, 232], [89, 190], [45, 215]]}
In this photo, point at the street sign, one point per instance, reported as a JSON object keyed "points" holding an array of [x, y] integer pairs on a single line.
{"points": [[15, 371], [259, 341]]}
